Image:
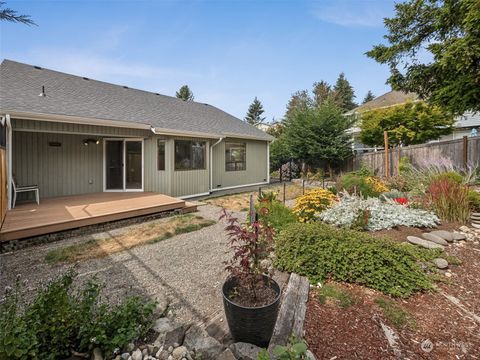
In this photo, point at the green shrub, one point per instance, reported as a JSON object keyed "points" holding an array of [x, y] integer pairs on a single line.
{"points": [[320, 251], [357, 184], [275, 214], [59, 320], [474, 200]]}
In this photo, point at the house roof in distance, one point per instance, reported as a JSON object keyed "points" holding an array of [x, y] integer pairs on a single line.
{"points": [[70, 95], [388, 99]]}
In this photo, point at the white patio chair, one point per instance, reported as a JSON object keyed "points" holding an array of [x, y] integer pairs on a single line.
{"points": [[20, 189]]}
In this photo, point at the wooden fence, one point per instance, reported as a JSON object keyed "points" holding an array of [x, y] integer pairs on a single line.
{"points": [[461, 152]]}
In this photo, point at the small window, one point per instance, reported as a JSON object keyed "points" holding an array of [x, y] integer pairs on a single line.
{"points": [[190, 155], [161, 155], [235, 156]]}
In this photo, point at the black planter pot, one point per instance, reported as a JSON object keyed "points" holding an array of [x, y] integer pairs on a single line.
{"points": [[247, 324]]}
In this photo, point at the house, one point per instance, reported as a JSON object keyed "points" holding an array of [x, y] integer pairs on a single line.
{"points": [[71, 135], [463, 125]]}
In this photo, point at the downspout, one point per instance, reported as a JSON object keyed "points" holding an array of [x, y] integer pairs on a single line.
{"points": [[268, 162], [9, 161], [211, 162]]}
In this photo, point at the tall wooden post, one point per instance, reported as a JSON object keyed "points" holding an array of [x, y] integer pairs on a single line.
{"points": [[465, 152], [399, 158], [386, 163]]}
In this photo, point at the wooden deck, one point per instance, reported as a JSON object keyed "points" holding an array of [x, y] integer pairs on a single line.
{"points": [[70, 212]]}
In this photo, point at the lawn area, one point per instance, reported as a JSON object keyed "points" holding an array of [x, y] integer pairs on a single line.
{"points": [[146, 234], [241, 202]]}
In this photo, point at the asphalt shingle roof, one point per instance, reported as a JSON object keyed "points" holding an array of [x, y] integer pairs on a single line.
{"points": [[20, 85]]}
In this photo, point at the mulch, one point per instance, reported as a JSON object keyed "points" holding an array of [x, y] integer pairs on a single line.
{"points": [[354, 332]]}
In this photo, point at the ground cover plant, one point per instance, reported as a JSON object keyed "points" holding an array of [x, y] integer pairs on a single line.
{"points": [[320, 251], [376, 214], [59, 320], [308, 206], [361, 183], [331, 292], [145, 234]]}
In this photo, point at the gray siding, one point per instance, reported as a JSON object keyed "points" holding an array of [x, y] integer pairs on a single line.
{"points": [[75, 168], [70, 169], [256, 165]]}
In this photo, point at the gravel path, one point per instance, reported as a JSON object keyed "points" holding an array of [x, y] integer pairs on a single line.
{"points": [[185, 271]]}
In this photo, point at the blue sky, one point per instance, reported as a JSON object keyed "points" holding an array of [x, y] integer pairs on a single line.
{"points": [[228, 52]]}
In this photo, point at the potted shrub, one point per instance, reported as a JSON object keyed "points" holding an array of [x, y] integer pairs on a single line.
{"points": [[250, 296]]}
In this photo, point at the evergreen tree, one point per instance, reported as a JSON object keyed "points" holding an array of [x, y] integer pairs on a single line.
{"points": [[322, 92], [254, 113], [299, 101], [368, 97], [11, 15], [449, 32], [319, 133], [344, 92], [185, 93]]}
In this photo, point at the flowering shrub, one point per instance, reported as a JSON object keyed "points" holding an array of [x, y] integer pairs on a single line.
{"points": [[378, 185], [401, 200], [381, 214], [312, 203]]}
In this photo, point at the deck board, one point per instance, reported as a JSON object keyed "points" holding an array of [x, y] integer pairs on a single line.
{"points": [[64, 213]]}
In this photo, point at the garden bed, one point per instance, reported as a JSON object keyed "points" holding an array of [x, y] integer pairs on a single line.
{"points": [[354, 331]]}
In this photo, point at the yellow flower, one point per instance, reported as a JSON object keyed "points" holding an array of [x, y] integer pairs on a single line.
{"points": [[313, 202]]}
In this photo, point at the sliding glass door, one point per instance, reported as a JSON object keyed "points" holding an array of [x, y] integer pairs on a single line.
{"points": [[123, 165]]}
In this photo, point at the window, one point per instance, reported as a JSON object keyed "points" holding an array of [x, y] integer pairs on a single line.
{"points": [[161, 155], [190, 155], [235, 156]]}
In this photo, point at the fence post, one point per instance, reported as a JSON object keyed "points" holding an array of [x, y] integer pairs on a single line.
{"points": [[259, 191], [252, 210], [386, 162], [399, 158], [280, 172], [465, 152], [284, 191], [290, 172], [303, 186]]}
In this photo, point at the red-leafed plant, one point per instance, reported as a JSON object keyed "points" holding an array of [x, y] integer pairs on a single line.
{"points": [[251, 244], [401, 200], [449, 199]]}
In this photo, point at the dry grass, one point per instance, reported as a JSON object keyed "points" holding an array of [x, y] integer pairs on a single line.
{"points": [[139, 235], [241, 202]]}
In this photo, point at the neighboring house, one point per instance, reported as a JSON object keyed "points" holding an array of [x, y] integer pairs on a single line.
{"points": [[463, 125], [73, 135]]}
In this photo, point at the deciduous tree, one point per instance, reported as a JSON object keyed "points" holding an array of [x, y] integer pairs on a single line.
{"points": [[406, 124]]}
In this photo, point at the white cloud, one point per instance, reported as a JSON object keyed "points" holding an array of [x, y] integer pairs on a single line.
{"points": [[352, 13]]}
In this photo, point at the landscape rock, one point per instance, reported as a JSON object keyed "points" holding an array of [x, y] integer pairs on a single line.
{"points": [[227, 355], [445, 235], [424, 243], [435, 238], [130, 347], [440, 263], [179, 352], [152, 349], [310, 355], [125, 356], [245, 351], [97, 354], [459, 236], [204, 346], [169, 332], [137, 355], [145, 352], [162, 355]]}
